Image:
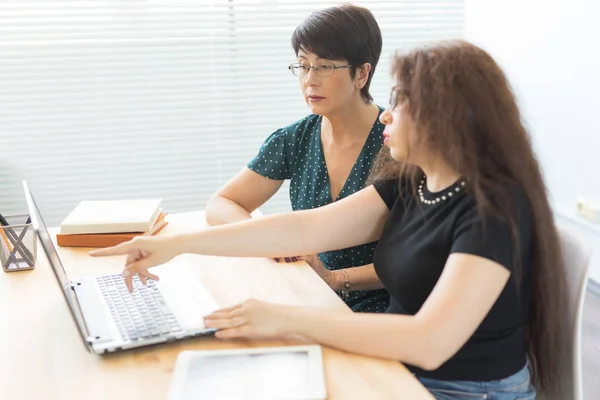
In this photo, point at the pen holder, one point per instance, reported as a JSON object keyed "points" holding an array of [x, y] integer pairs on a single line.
{"points": [[18, 244]]}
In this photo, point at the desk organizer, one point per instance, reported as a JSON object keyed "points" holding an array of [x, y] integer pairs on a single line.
{"points": [[18, 244]]}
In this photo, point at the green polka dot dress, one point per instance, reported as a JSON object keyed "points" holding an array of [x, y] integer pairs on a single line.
{"points": [[295, 152]]}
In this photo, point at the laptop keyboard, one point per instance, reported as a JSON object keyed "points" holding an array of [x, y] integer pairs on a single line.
{"points": [[140, 314]]}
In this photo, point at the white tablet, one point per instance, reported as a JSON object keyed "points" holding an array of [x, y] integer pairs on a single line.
{"points": [[282, 373]]}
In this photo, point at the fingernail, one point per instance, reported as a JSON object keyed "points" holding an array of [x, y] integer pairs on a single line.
{"points": [[277, 259], [294, 259], [287, 259], [126, 273]]}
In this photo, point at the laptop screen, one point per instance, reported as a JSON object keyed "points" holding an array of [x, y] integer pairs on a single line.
{"points": [[46, 241]]}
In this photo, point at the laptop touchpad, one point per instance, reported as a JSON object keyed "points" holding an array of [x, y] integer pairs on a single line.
{"points": [[185, 295]]}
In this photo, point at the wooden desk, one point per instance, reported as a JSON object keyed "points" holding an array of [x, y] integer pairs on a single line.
{"points": [[42, 356]]}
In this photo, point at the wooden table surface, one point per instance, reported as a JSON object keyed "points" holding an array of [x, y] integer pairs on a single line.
{"points": [[42, 355]]}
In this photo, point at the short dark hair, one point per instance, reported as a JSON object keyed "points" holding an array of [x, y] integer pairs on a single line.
{"points": [[345, 32]]}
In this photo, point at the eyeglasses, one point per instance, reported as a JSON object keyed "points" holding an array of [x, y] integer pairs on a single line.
{"points": [[326, 69], [393, 98]]}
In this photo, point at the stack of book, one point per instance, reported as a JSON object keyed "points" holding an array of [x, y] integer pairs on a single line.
{"points": [[110, 222]]}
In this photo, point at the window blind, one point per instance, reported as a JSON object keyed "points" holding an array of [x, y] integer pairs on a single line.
{"points": [[161, 98]]}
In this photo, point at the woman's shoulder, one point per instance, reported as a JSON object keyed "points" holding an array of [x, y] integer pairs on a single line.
{"points": [[393, 188], [296, 130], [307, 123], [291, 133], [505, 201]]}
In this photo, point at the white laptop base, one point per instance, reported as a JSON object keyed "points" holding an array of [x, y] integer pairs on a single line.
{"points": [[167, 310]]}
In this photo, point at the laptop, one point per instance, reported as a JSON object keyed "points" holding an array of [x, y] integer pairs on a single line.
{"points": [[110, 319]]}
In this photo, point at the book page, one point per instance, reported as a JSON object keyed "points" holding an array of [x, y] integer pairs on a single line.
{"points": [[248, 376]]}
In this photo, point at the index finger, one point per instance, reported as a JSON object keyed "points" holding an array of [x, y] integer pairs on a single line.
{"points": [[128, 279], [120, 249]]}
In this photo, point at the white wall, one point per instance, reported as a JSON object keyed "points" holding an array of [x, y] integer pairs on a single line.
{"points": [[551, 52]]}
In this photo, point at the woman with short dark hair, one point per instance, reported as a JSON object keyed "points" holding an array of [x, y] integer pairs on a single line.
{"points": [[327, 155]]}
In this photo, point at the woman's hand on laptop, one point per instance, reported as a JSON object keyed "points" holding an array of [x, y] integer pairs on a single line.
{"points": [[142, 253], [252, 319]]}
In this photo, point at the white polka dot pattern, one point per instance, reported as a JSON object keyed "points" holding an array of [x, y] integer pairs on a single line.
{"points": [[295, 152]]}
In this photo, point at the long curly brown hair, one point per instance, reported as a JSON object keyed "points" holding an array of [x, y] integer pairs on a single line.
{"points": [[464, 110]]}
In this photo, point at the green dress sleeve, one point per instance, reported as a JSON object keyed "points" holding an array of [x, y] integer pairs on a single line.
{"points": [[275, 158]]}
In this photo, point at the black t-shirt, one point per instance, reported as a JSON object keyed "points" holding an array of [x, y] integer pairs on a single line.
{"points": [[416, 242]]}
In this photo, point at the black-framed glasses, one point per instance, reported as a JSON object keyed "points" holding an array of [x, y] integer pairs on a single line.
{"points": [[324, 69]]}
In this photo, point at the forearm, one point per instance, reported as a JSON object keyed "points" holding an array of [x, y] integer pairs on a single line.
{"points": [[392, 336], [271, 236], [220, 211], [291, 234], [360, 278]]}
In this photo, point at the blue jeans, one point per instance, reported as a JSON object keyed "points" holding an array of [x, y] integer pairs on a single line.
{"points": [[515, 387]]}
